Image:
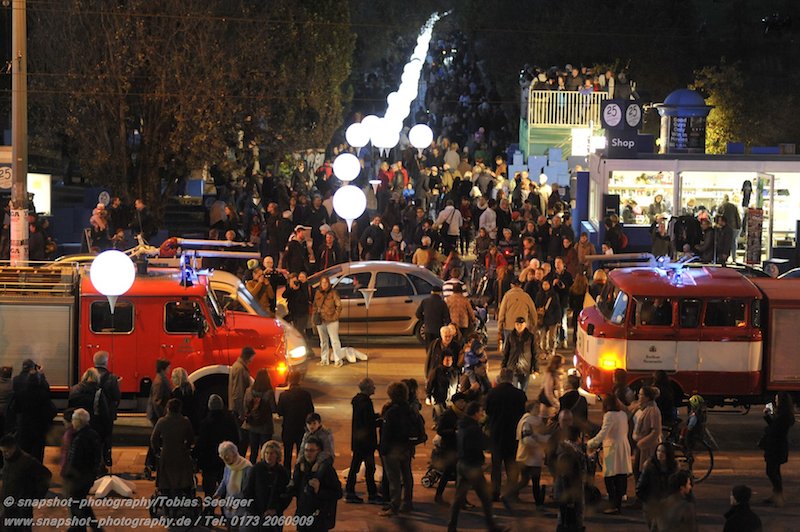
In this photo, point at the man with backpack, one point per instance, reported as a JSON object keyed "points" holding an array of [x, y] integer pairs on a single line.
{"points": [[109, 388]]}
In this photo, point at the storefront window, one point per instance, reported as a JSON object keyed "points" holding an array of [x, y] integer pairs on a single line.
{"points": [[787, 209], [642, 195]]}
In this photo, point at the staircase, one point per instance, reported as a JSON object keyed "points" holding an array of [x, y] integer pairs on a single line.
{"points": [[186, 217]]}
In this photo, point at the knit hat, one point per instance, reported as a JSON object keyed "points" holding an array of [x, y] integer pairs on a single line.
{"points": [[215, 402], [252, 264]]}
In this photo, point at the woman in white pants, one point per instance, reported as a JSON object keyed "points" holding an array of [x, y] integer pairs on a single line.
{"points": [[327, 308]]}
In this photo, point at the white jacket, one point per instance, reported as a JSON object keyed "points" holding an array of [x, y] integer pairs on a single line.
{"points": [[616, 449], [488, 221], [531, 439]]}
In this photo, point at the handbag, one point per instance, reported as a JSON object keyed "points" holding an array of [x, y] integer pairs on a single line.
{"points": [[316, 318], [445, 228]]}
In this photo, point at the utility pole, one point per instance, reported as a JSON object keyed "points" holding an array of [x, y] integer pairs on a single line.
{"points": [[19, 134]]}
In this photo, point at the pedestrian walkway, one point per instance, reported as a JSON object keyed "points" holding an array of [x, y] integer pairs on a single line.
{"points": [[743, 467]]}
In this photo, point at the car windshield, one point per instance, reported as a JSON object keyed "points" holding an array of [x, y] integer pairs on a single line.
{"points": [[244, 295], [331, 273]]}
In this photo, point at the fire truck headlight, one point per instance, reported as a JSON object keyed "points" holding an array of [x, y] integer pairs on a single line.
{"points": [[281, 368], [608, 361], [588, 382]]}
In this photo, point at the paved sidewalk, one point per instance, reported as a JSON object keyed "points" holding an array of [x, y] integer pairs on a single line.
{"points": [[711, 495]]}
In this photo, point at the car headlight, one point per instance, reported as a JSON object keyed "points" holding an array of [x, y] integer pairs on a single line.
{"points": [[296, 350]]}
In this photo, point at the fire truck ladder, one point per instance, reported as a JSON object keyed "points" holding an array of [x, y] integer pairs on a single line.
{"points": [[55, 279]]}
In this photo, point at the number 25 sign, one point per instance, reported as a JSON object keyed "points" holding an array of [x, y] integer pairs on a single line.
{"points": [[5, 176]]}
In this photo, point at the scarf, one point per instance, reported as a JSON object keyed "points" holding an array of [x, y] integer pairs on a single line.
{"points": [[396, 236], [234, 485]]}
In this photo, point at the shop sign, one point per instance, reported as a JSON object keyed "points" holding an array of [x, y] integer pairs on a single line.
{"points": [[687, 134], [5, 176], [755, 224], [622, 144]]}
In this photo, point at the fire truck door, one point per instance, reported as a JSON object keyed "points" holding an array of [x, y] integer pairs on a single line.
{"points": [[118, 334], [652, 337], [689, 341], [184, 339]]}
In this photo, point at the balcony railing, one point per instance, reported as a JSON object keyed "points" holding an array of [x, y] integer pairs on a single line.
{"points": [[564, 108]]}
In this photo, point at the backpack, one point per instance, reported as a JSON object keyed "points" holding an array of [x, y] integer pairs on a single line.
{"points": [[416, 429], [258, 412]]}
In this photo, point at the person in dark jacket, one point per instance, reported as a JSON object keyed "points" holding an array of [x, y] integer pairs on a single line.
{"points": [[24, 477], [373, 241], [267, 486], [294, 405], [396, 448], [183, 389], [652, 487], [471, 443], [172, 441], [317, 488], [666, 398], [84, 394], [298, 254], [441, 384], [448, 442], [363, 443], [31, 409], [81, 469], [570, 476], [505, 405], [218, 426], [436, 351], [434, 314], [160, 393], [298, 301], [519, 354], [740, 518], [775, 442], [573, 401], [547, 301], [110, 385], [707, 247]]}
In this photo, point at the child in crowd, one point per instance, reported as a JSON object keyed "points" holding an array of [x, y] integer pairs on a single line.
{"points": [[476, 379]]}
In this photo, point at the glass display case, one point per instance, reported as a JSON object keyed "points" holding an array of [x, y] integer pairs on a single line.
{"points": [[642, 195]]}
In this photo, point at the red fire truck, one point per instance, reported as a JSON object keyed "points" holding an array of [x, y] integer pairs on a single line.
{"points": [[730, 338], [53, 315]]}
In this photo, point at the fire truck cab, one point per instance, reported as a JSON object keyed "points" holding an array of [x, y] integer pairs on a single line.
{"points": [[704, 326], [55, 316]]}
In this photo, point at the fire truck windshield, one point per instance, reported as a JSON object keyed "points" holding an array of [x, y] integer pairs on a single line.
{"points": [[613, 303]]}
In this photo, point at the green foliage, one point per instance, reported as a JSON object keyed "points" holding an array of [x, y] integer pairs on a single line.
{"points": [[186, 76], [723, 87]]}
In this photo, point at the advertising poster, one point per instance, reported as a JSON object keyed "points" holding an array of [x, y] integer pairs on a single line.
{"points": [[755, 224]]}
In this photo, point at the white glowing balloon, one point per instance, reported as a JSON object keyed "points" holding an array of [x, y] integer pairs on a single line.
{"points": [[369, 122], [346, 167], [410, 78], [357, 135], [408, 92], [386, 134], [413, 65], [112, 273], [394, 99], [349, 202], [420, 136], [398, 113]]}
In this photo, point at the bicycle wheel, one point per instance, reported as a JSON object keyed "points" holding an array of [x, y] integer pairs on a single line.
{"points": [[699, 461]]}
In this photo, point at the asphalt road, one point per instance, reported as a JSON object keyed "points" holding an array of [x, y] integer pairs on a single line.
{"points": [[737, 460]]}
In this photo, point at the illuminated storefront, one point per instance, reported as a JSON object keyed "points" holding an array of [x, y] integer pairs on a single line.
{"points": [[675, 185]]}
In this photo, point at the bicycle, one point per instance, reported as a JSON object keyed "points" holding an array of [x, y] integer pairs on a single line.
{"points": [[696, 455]]}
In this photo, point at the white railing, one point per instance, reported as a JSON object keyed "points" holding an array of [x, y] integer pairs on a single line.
{"points": [[564, 108]]}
